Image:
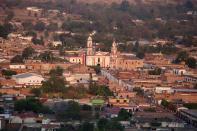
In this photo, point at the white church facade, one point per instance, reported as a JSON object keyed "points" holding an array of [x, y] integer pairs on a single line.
{"points": [[113, 59], [94, 58]]}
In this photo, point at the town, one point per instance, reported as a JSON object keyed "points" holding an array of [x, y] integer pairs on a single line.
{"points": [[117, 65]]}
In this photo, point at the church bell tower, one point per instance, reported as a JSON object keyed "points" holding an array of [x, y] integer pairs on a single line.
{"points": [[90, 48], [114, 50]]}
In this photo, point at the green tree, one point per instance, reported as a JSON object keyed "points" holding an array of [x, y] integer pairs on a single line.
{"points": [[58, 71], [124, 6], [100, 90], [189, 5], [31, 33], [47, 56], [69, 111], [28, 52], [36, 91], [182, 56], [30, 105], [86, 126], [37, 41], [3, 32], [109, 125], [39, 26], [8, 73], [1, 110], [114, 125], [102, 124], [17, 59], [73, 110], [139, 91], [97, 69], [191, 62], [86, 108], [190, 105], [165, 103], [124, 115], [156, 71], [9, 27], [54, 85], [140, 54], [10, 15]]}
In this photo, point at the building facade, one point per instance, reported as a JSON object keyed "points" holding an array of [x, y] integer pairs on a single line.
{"points": [[113, 59], [96, 58], [26, 79]]}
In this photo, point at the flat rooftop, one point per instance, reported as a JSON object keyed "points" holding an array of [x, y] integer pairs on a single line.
{"points": [[192, 112]]}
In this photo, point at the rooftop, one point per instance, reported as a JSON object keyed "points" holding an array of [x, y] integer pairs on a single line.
{"points": [[24, 75]]}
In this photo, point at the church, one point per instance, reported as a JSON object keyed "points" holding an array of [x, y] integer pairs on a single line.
{"points": [[94, 58], [112, 60]]}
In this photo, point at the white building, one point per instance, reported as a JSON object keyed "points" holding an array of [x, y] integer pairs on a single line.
{"points": [[192, 78], [34, 9], [28, 79], [74, 78], [17, 66], [113, 59], [160, 90], [179, 71], [94, 58]]}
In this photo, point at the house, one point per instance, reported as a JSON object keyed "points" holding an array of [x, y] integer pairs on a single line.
{"points": [[2, 123], [110, 112], [192, 78], [76, 78], [28, 79], [26, 118], [189, 115], [160, 90], [56, 43], [157, 120], [126, 94], [118, 102], [180, 71], [17, 66], [75, 57], [47, 125]]}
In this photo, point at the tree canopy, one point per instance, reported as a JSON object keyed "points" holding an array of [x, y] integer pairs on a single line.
{"points": [[100, 90], [124, 115], [28, 52], [30, 105], [69, 110], [54, 85], [3, 31], [17, 59], [8, 73], [58, 71], [109, 125]]}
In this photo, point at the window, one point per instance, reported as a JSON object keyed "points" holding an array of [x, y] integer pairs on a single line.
{"points": [[98, 60], [117, 101]]}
